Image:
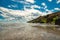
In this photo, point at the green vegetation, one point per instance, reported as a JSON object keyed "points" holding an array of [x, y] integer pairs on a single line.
{"points": [[54, 19], [50, 18]]}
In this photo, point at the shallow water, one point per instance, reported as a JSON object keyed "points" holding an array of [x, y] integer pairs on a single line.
{"points": [[28, 31]]}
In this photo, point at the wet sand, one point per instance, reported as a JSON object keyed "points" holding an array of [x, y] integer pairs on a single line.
{"points": [[17, 31]]}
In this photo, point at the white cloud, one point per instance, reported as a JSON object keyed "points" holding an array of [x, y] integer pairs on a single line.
{"points": [[58, 1], [45, 7], [27, 14], [24, 2], [43, 4], [12, 6], [49, 12], [56, 8], [31, 1], [35, 6], [50, 0]]}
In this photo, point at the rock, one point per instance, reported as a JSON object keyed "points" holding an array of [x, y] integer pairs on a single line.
{"points": [[57, 22], [49, 18]]}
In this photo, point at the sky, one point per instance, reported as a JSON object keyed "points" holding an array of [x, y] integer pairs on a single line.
{"points": [[26, 10]]}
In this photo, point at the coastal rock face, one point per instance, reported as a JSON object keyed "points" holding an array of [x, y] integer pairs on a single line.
{"points": [[50, 18]]}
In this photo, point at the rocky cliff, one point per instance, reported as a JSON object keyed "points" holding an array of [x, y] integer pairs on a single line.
{"points": [[53, 18]]}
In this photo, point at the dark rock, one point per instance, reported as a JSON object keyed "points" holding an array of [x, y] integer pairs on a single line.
{"points": [[57, 22]]}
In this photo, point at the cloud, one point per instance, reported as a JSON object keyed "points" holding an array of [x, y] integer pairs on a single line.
{"points": [[31, 6], [45, 7], [31, 1], [21, 15], [13, 14], [35, 6], [27, 14], [56, 8], [43, 4], [12, 6], [58, 1], [50, 0], [47, 11]]}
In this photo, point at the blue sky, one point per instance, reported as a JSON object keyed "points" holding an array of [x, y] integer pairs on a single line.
{"points": [[6, 3], [51, 5], [33, 7]]}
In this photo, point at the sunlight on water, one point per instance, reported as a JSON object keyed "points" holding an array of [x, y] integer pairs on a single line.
{"points": [[28, 31]]}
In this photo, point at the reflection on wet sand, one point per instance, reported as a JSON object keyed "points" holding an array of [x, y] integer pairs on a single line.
{"points": [[25, 31]]}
